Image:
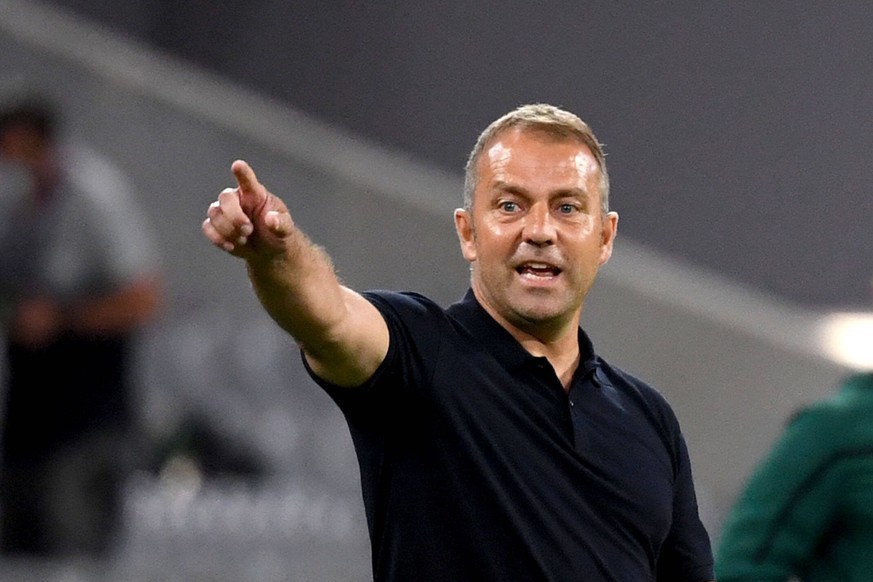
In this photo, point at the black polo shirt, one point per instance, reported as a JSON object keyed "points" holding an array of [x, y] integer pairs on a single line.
{"points": [[476, 465]]}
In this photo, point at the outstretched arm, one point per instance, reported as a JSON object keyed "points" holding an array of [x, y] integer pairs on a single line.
{"points": [[342, 335]]}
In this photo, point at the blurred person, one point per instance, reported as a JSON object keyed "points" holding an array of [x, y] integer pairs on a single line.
{"points": [[79, 275], [806, 511], [493, 443]]}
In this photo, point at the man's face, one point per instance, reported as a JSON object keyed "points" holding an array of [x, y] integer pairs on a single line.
{"points": [[535, 235]]}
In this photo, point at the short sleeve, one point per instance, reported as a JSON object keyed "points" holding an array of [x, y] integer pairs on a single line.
{"points": [[415, 326], [99, 238]]}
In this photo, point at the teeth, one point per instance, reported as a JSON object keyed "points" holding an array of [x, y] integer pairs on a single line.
{"points": [[538, 270], [539, 266]]}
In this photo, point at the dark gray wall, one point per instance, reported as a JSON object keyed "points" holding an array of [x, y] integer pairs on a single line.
{"points": [[739, 133]]}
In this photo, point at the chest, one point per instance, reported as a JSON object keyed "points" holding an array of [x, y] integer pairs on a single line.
{"points": [[597, 453]]}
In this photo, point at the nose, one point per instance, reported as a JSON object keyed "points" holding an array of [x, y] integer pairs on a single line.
{"points": [[539, 228]]}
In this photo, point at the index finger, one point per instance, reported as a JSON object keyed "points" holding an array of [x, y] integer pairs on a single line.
{"points": [[245, 177]]}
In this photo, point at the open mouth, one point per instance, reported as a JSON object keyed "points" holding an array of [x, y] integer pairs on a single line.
{"points": [[539, 270]]}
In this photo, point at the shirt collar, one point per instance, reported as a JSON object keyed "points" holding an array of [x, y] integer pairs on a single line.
{"points": [[498, 341]]}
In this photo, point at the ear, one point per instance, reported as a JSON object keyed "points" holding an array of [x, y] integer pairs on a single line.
{"points": [[607, 235], [466, 234]]}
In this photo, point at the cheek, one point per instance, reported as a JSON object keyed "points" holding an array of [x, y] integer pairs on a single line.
{"points": [[591, 234], [493, 245], [494, 233], [491, 240]]}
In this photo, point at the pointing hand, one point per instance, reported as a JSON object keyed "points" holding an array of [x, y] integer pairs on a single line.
{"points": [[248, 221]]}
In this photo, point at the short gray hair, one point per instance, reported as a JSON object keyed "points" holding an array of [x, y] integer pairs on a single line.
{"points": [[538, 117]]}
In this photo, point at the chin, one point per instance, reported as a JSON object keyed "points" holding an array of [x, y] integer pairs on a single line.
{"points": [[539, 314]]}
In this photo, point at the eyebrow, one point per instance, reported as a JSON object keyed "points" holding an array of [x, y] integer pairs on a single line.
{"points": [[562, 193]]}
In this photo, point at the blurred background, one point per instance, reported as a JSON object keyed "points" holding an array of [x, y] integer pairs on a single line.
{"points": [[738, 138]]}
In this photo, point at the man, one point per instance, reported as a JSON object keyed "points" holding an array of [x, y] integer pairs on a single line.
{"points": [[78, 277], [493, 443]]}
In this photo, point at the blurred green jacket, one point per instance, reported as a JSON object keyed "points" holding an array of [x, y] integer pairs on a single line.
{"points": [[807, 509]]}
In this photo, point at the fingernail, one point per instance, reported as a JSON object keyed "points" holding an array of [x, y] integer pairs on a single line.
{"points": [[246, 229]]}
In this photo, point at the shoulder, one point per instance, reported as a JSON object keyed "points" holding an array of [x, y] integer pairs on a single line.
{"points": [[634, 387], [645, 412], [411, 317], [94, 176], [403, 303], [845, 413], [97, 190]]}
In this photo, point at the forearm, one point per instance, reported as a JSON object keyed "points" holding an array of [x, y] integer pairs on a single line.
{"points": [[121, 311], [299, 290], [342, 334]]}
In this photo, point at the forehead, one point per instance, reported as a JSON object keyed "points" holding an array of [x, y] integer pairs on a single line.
{"points": [[538, 158]]}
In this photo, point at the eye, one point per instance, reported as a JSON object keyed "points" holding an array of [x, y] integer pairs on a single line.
{"points": [[567, 208], [508, 206]]}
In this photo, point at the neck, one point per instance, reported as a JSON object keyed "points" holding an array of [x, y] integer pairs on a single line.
{"points": [[558, 342], [564, 355]]}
